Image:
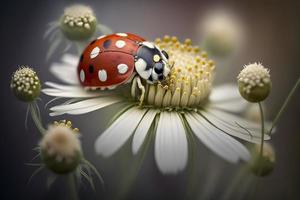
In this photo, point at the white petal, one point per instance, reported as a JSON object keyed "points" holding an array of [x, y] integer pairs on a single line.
{"points": [[171, 151], [224, 92], [142, 130], [70, 59], [59, 90], [219, 142], [227, 122], [84, 106], [117, 134], [235, 105], [65, 73]]}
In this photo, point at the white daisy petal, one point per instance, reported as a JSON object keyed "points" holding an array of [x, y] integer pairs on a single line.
{"points": [[59, 90], [84, 106], [68, 94], [117, 134], [236, 105], [65, 73], [142, 130], [171, 150], [63, 87], [70, 59], [224, 92], [227, 122], [219, 142]]}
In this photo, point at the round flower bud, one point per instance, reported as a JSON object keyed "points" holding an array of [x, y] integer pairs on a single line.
{"points": [[262, 165], [60, 148], [25, 84], [78, 22], [254, 82]]}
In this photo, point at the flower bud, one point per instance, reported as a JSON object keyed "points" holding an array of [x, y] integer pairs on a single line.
{"points": [[262, 165], [78, 22], [60, 148], [254, 83], [25, 84]]}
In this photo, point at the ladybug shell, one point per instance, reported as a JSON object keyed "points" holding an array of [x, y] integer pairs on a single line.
{"points": [[109, 60]]}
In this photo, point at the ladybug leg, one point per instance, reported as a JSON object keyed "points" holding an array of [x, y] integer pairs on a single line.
{"points": [[133, 87], [142, 88]]}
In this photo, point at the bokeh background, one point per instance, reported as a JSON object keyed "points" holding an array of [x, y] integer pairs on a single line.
{"points": [[270, 34]]}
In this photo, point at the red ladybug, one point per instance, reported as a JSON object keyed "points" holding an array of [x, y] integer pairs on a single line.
{"points": [[115, 59]]}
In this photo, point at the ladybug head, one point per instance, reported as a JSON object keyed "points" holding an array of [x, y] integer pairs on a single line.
{"points": [[151, 63]]}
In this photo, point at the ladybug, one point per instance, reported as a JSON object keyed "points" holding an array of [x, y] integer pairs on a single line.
{"points": [[119, 58]]}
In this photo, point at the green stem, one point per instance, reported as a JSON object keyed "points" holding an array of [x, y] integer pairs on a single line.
{"points": [[36, 120], [287, 100], [135, 166], [72, 187], [262, 128], [235, 184]]}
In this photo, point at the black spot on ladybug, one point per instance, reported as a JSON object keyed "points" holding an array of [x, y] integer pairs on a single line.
{"points": [[93, 42], [106, 44], [81, 58], [150, 78], [160, 77], [91, 69]]}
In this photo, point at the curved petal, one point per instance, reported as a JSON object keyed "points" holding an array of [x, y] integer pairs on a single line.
{"points": [[171, 150], [224, 92], [117, 134], [84, 106], [227, 97], [65, 73], [219, 142], [68, 91], [231, 124], [70, 60], [142, 130], [235, 106]]}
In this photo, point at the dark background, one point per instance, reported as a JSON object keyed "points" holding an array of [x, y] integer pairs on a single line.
{"points": [[272, 36]]}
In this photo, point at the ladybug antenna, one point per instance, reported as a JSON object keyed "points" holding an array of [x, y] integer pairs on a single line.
{"points": [[172, 64]]}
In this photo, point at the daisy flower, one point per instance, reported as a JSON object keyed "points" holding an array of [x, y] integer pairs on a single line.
{"points": [[77, 24], [183, 104]]}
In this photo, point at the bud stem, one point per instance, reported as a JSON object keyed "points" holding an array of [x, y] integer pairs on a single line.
{"points": [[287, 100], [262, 128], [35, 118], [72, 187]]}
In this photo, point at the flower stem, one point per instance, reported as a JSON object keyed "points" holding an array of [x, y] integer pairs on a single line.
{"points": [[36, 119], [262, 128], [287, 100], [72, 187]]}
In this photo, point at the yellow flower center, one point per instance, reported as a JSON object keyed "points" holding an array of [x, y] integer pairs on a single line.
{"points": [[189, 82]]}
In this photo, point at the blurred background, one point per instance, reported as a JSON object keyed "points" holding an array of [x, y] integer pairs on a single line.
{"points": [[256, 31]]}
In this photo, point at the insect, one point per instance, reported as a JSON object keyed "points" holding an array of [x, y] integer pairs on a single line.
{"points": [[112, 60]]}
